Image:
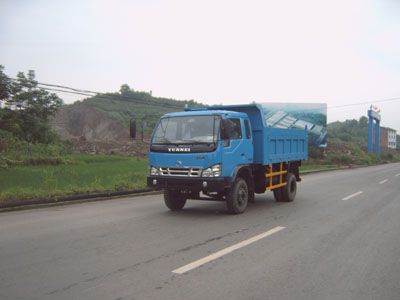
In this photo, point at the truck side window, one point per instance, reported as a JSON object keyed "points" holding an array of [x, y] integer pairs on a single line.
{"points": [[247, 128], [237, 129]]}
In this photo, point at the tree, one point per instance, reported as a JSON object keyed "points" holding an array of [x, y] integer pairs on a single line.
{"points": [[363, 121], [4, 85], [28, 108], [125, 90]]}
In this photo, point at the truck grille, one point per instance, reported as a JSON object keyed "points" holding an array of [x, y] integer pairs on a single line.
{"points": [[190, 172]]}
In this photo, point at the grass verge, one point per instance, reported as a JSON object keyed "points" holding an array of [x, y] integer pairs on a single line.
{"points": [[83, 174]]}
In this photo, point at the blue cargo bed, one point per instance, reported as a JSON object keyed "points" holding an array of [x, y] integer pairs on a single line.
{"points": [[271, 145]]}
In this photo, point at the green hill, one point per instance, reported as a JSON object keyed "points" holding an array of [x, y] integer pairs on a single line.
{"points": [[104, 118], [142, 105], [351, 131], [347, 144]]}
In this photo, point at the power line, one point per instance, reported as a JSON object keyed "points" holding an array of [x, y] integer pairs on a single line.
{"points": [[116, 98], [89, 93], [60, 86], [366, 102], [68, 92], [69, 88], [81, 92], [99, 95]]}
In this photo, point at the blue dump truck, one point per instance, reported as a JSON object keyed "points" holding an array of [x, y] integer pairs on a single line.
{"points": [[225, 153]]}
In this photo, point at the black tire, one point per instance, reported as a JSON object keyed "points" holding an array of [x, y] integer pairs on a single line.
{"points": [[277, 194], [287, 193], [252, 196], [260, 182], [174, 200], [238, 197]]}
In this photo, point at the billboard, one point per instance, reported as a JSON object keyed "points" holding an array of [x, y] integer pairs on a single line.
{"points": [[309, 116]]}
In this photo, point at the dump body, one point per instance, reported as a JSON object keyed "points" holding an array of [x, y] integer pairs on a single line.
{"points": [[271, 145]]}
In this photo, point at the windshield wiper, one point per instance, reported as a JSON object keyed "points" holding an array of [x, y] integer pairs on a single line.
{"points": [[196, 142]]}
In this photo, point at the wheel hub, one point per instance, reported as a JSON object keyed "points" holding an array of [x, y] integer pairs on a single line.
{"points": [[242, 196]]}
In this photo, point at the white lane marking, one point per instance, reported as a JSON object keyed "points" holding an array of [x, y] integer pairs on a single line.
{"points": [[225, 251], [397, 175], [383, 181], [352, 195]]}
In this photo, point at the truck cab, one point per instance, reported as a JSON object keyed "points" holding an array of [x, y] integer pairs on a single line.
{"points": [[212, 154]]}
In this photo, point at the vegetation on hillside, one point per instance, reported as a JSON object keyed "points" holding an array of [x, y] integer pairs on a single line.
{"points": [[145, 108], [26, 108], [26, 136], [350, 131], [347, 145]]}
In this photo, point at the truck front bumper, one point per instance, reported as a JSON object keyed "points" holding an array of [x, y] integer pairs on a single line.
{"points": [[197, 184]]}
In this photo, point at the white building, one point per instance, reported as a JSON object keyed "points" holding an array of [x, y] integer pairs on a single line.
{"points": [[388, 138], [392, 139]]}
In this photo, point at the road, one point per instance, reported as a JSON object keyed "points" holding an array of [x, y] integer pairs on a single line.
{"points": [[340, 239]]}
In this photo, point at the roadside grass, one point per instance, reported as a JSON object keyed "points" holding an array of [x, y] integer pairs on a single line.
{"points": [[80, 174], [83, 174], [315, 167]]}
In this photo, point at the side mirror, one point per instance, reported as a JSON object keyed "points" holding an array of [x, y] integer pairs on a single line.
{"points": [[132, 128]]}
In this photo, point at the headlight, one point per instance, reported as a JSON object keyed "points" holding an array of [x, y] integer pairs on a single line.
{"points": [[213, 171], [154, 171]]}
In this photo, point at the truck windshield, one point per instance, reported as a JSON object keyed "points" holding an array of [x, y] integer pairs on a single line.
{"points": [[187, 130]]}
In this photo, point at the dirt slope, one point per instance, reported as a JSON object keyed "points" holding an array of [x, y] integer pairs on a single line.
{"points": [[82, 120], [92, 131]]}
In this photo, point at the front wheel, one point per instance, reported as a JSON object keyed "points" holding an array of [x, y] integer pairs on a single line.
{"points": [[174, 200], [238, 197]]}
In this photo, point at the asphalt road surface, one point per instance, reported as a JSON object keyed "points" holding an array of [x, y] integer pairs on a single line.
{"points": [[340, 239]]}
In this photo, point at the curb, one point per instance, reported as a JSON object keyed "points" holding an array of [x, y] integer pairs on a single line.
{"points": [[333, 169], [72, 199], [307, 172]]}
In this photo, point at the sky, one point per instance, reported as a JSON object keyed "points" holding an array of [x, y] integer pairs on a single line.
{"points": [[214, 51]]}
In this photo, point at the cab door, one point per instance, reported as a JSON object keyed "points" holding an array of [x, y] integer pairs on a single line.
{"points": [[238, 149]]}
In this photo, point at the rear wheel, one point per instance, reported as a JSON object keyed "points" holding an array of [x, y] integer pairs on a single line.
{"points": [[278, 194], [287, 193], [238, 197], [174, 200]]}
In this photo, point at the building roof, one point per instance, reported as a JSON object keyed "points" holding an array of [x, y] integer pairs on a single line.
{"points": [[388, 128]]}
